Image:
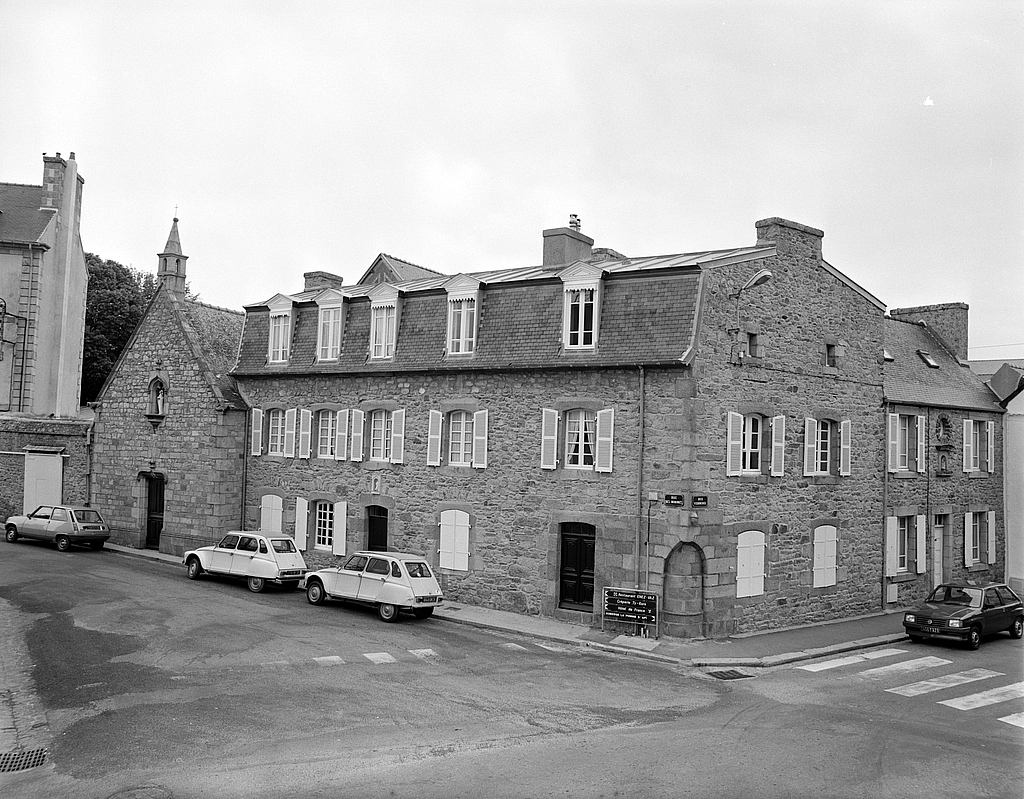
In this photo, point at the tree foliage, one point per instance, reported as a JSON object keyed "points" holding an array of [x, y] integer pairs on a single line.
{"points": [[117, 297]]}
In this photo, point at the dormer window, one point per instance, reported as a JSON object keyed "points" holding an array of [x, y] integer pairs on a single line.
{"points": [[463, 304], [582, 306], [331, 326], [383, 321], [280, 338]]}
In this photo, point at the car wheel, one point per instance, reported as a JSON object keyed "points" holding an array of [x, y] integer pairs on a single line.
{"points": [[916, 639], [256, 584], [387, 612], [1017, 628], [315, 593], [193, 568], [974, 638], [12, 534], [422, 613], [63, 544]]}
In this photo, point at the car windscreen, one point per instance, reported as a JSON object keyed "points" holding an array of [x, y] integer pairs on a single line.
{"points": [[957, 595], [88, 517], [282, 545], [417, 568]]}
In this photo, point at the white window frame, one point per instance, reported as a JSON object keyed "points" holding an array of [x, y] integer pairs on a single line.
{"points": [[580, 434], [750, 571], [753, 438], [453, 550], [276, 425], [979, 440], [330, 331], [323, 525], [460, 438], [581, 290], [904, 535], [381, 424], [326, 433], [461, 325], [382, 331], [279, 343], [822, 450], [826, 543]]}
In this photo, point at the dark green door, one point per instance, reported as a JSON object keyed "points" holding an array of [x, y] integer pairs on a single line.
{"points": [[377, 528], [154, 510], [576, 576]]}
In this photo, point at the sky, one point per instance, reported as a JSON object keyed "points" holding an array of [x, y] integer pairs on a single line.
{"points": [[298, 136]]}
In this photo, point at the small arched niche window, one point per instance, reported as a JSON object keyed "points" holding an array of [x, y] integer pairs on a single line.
{"points": [[157, 398]]}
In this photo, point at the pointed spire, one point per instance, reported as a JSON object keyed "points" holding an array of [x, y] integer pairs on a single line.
{"points": [[171, 263]]}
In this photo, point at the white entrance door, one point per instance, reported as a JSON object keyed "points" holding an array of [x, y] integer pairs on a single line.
{"points": [[44, 480]]}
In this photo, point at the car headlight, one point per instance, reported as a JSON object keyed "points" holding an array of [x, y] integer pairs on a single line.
{"points": [[910, 617], [955, 623]]}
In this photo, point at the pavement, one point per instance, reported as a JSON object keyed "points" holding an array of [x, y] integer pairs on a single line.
{"points": [[750, 650]]}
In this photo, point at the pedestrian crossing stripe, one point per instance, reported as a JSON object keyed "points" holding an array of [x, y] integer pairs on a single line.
{"points": [[946, 681], [1017, 719], [514, 646], [424, 654], [851, 659], [994, 696], [904, 667], [329, 660], [380, 658]]}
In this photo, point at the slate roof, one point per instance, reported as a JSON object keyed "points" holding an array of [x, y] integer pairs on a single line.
{"points": [[214, 333], [908, 379], [21, 219], [648, 315], [987, 368]]}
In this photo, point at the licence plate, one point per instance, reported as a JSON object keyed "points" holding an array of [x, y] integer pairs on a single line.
{"points": [[932, 629], [428, 600]]}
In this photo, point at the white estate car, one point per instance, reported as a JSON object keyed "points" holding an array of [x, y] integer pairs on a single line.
{"points": [[392, 581], [259, 559]]}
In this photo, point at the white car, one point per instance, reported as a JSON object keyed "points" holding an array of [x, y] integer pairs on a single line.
{"points": [[391, 581], [259, 559]]}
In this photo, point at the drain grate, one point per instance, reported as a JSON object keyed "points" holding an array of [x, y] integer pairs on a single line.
{"points": [[19, 761], [730, 674]]}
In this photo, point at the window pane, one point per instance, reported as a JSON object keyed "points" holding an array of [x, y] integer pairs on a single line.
{"points": [[460, 450], [325, 434], [324, 524], [579, 438]]}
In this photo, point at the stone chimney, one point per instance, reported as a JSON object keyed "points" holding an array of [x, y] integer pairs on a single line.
{"points": [[789, 238], [321, 280], [566, 245], [948, 321]]}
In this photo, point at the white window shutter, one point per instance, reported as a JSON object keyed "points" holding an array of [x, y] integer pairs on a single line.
{"points": [[990, 435], [845, 447], [991, 531], [305, 431], [256, 442], [968, 549], [357, 434], [446, 551], [341, 436], [434, 438], [734, 445], [549, 439], [461, 554], [301, 519], [892, 552], [340, 528], [270, 513], [831, 556], [894, 442], [480, 440], [750, 563], [921, 529], [810, 445], [778, 446], [289, 433], [398, 436], [605, 434], [968, 449], [922, 441], [743, 567]]}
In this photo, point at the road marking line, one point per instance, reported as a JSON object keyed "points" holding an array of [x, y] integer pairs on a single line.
{"points": [[424, 654], [329, 660], [514, 646], [903, 667], [947, 681], [1017, 719], [851, 659], [552, 648], [379, 658], [991, 697]]}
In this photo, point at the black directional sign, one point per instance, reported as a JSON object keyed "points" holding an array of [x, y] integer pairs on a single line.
{"points": [[629, 604]]}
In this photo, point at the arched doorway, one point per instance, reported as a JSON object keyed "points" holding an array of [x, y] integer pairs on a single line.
{"points": [[683, 601], [376, 528]]}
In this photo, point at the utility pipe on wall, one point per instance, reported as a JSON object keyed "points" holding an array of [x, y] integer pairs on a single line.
{"points": [[639, 485]]}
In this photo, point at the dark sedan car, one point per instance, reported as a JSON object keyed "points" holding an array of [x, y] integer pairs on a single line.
{"points": [[965, 612]]}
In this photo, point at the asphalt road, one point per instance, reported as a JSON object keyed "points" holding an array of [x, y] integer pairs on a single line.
{"points": [[139, 683]]}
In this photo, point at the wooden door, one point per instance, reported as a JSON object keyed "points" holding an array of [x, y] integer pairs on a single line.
{"points": [[576, 574], [377, 528]]}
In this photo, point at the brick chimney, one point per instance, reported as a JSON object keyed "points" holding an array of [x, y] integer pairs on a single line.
{"points": [[789, 238], [566, 245], [947, 320], [321, 280]]}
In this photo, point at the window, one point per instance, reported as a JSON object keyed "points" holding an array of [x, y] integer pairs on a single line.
{"points": [[327, 433], [386, 434], [979, 446], [382, 331], [750, 563], [825, 452], [275, 431], [908, 435], [454, 545], [461, 326], [579, 306], [280, 336], [825, 544], [750, 449], [465, 443], [588, 437], [753, 347], [979, 538], [323, 514], [329, 340], [904, 531], [380, 435], [831, 359], [905, 537]]}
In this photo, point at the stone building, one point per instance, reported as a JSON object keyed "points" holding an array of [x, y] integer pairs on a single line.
{"points": [[43, 280], [170, 426], [708, 426], [944, 516]]}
